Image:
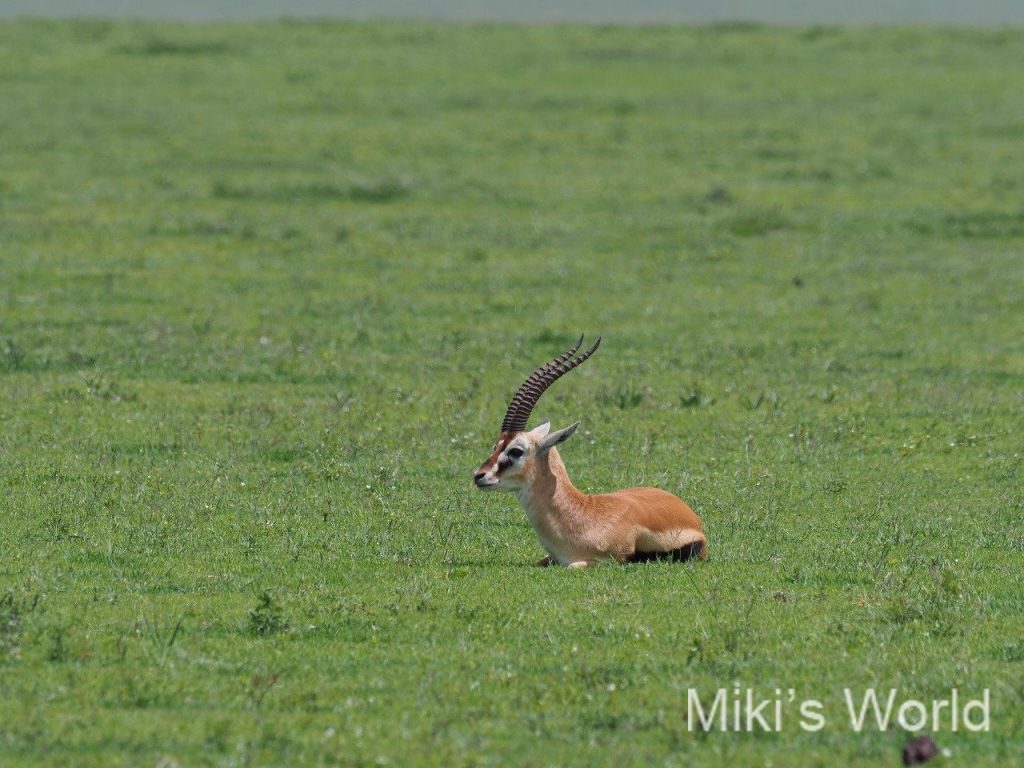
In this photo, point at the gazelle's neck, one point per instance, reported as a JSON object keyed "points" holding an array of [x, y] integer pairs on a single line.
{"points": [[550, 491]]}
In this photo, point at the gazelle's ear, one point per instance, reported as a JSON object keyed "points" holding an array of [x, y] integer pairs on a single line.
{"points": [[555, 438], [541, 429]]}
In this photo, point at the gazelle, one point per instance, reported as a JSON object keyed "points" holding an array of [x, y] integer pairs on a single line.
{"points": [[579, 529]]}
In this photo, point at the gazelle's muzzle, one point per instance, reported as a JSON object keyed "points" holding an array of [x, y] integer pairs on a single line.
{"points": [[485, 478]]}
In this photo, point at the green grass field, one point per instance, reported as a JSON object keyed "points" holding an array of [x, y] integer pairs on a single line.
{"points": [[265, 291]]}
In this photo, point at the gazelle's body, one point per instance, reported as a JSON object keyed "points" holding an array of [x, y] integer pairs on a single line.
{"points": [[578, 529]]}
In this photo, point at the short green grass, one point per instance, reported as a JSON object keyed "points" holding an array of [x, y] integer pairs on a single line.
{"points": [[265, 292]]}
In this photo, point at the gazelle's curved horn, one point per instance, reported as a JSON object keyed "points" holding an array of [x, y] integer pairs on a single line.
{"points": [[529, 392]]}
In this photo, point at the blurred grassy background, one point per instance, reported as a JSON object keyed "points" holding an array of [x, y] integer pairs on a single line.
{"points": [[266, 289]]}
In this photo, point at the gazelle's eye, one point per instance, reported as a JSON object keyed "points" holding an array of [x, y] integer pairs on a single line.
{"points": [[514, 453]]}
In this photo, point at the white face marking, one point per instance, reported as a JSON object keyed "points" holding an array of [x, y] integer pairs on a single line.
{"points": [[501, 471], [515, 453]]}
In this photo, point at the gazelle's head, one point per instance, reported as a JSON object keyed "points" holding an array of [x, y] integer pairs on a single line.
{"points": [[511, 463]]}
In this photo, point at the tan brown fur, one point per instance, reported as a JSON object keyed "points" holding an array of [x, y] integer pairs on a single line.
{"points": [[578, 529]]}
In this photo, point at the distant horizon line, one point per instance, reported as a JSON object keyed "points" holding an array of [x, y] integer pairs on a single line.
{"points": [[785, 13]]}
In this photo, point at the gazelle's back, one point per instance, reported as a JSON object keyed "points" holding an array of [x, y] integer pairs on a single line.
{"points": [[661, 520]]}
